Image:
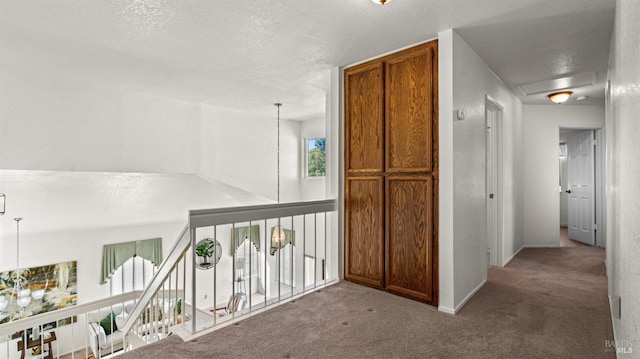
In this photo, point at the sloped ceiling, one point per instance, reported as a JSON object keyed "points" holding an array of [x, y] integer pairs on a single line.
{"points": [[55, 201], [248, 54]]}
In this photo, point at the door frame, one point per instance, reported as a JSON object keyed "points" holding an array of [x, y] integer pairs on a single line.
{"points": [[494, 183], [600, 177]]}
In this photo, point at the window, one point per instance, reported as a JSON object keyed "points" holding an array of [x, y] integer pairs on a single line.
{"points": [[316, 157], [134, 274]]}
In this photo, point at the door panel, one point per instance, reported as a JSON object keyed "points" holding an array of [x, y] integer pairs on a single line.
{"points": [[581, 186], [409, 109], [364, 119], [364, 233], [409, 229]]}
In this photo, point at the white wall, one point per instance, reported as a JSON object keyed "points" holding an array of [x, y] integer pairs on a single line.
{"points": [[623, 167], [311, 188], [85, 247], [240, 149], [446, 301], [54, 123], [541, 138], [472, 81]]}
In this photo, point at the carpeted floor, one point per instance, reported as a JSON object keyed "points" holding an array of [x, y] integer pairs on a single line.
{"points": [[547, 303]]}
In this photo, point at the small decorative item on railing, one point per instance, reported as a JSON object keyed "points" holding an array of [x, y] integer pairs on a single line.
{"points": [[209, 250]]}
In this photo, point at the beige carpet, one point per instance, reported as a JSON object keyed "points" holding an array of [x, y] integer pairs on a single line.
{"points": [[548, 303]]}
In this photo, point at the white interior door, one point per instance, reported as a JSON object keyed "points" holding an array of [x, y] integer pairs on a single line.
{"points": [[581, 187]]}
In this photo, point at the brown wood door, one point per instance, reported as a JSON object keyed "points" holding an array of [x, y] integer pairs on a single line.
{"points": [[364, 231], [409, 232], [391, 173], [364, 119]]}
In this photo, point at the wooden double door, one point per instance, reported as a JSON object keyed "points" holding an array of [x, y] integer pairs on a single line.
{"points": [[391, 173]]}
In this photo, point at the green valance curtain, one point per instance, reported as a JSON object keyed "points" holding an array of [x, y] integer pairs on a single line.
{"points": [[289, 237], [114, 255], [240, 234]]}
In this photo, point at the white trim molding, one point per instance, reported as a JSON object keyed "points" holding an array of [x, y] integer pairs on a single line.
{"points": [[513, 256], [455, 310]]}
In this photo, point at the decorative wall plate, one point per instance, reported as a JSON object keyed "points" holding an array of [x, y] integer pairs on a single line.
{"points": [[208, 253]]}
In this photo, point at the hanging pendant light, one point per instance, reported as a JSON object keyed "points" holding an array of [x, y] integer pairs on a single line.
{"points": [[21, 289], [278, 235], [23, 295], [381, 2]]}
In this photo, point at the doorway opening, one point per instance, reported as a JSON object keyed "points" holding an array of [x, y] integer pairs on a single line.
{"points": [[581, 187], [493, 116]]}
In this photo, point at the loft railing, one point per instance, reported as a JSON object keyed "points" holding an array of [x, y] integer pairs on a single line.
{"points": [[260, 268], [71, 332], [267, 254]]}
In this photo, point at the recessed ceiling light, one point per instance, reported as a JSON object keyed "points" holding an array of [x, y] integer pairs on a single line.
{"points": [[381, 2], [559, 97]]}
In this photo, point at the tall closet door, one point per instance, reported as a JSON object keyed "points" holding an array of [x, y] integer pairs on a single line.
{"points": [[364, 166], [391, 173], [409, 173]]}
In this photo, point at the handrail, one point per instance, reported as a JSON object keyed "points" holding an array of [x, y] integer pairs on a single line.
{"points": [[217, 216], [36, 320], [168, 265]]}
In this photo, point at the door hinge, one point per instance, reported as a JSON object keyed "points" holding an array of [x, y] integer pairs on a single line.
{"points": [[595, 227]]}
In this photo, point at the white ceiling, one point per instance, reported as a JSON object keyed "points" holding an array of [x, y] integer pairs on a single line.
{"points": [[249, 54]]}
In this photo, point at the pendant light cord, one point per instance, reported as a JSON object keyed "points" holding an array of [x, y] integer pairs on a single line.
{"points": [[18, 251], [278, 160]]}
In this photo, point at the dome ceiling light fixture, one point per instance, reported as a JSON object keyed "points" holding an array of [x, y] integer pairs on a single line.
{"points": [[381, 2], [560, 97]]}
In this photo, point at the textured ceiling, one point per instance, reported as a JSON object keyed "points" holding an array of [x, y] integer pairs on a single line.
{"points": [[249, 54]]}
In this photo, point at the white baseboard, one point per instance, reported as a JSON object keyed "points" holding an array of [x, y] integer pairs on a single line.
{"points": [[446, 310], [562, 224], [541, 246], [464, 301], [613, 321], [513, 256]]}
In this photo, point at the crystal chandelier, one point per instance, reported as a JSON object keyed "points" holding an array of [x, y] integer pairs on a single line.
{"points": [[278, 235], [21, 291]]}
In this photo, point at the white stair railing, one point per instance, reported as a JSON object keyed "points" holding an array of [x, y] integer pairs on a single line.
{"points": [[266, 271], [286, 251], [78, 338]]}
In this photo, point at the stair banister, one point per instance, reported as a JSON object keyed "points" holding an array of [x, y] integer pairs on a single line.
{"points": [[168, 265]]}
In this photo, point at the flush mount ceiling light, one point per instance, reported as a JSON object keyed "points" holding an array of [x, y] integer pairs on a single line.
{"points": [[559, 97], [381, 2]]}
